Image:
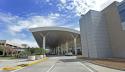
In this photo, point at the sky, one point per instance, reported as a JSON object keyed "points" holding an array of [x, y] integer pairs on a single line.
{"points": [[17, 16]]}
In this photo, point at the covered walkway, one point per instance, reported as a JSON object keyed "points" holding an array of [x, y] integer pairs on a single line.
{"points": [[58, 40]]}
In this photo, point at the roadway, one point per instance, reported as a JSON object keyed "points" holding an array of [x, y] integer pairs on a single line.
{"points": [[58, 64]]}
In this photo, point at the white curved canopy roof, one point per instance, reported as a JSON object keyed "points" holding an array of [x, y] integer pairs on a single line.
{"points": [[54, 35], [53, 28]]}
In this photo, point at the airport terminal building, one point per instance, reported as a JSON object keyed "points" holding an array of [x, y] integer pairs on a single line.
{"points": [[103, 33]]}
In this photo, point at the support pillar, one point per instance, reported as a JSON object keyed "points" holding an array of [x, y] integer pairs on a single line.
{"points": [[58, 50], [44, 42], [61, 49], [75, 43], [75, 46], [66, 47], [54, 50], [44, 34]]}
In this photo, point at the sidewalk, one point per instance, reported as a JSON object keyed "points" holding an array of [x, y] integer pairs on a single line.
{"points": [[17, 64], [97, 68], [13, 62]]}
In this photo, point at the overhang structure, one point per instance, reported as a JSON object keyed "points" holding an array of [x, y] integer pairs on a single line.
{"points": [[59, 40]]}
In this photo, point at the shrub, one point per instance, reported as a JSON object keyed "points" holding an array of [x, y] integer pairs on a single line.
{"points": [[32, 51], [39, 51], [23, 54]]}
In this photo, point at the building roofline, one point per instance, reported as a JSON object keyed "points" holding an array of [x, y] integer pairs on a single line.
{"points": [[54, 28]]}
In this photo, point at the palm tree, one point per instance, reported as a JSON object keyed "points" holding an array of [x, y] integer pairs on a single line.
{"points": [[2, 49], [7, 50]]}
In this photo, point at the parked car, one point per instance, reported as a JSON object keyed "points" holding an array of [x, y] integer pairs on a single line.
{"points": [[68, 54]]}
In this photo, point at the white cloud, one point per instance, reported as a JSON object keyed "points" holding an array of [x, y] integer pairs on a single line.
{"points": [[54, 15], [28, 42], [8, 18], [76, 6], [40, 21], [15, 26], [77, 28], [47, 0], [83, 6], [67, 26], [105, 3], [71, 27], [34, 21], [63, 1]]}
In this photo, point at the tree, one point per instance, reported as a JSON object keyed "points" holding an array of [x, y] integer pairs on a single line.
{"points": [[39, 51], [1, 49]]}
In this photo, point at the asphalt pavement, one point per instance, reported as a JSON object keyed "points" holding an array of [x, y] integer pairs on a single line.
{"points": [[58, 64]]}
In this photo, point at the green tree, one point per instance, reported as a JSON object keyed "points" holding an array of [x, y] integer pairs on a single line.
{"points": [[1, 49], [39, 51]]}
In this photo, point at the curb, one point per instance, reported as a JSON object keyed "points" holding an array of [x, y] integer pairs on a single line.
{"points": [[9, 68]]}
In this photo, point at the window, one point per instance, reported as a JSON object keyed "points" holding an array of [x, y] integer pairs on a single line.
{"points": [[121, 9]]}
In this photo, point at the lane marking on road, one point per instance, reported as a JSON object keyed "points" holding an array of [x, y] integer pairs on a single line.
{"points": [[17, 69], [86, 67], [51, 68]]}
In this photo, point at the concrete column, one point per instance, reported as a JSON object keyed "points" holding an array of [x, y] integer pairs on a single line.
{"points": [[52, 50], [55, 50], [58, 50], [75, 46], [66, 47], [61, 49], [44, 42]]}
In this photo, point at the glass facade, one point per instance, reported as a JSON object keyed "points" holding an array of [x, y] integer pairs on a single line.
{"points": [[121, 9]]}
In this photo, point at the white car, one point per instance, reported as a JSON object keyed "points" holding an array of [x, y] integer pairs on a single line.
{"points": [[68, 54]]}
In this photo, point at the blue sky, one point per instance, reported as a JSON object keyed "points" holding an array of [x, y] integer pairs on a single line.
{"points": [[17, 16]]}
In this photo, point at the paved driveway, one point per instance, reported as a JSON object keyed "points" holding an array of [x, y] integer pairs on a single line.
{"points": [[57, 64]]}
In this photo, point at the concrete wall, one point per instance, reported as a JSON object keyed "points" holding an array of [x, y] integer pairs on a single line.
{"points": [[102, 34], [84, 22], [94, 35], [101, 37], [117, 35]]}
